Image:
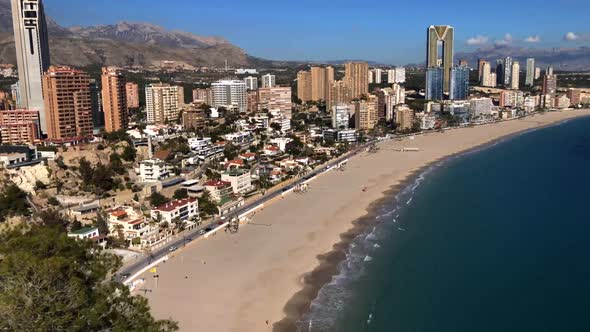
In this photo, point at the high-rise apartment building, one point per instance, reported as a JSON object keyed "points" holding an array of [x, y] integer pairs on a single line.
{"points": [[371, 77], [114, 99], [549, 71], [507, 71], [400, 75], [378, 75], [493, 80], [339, 93], [268, 81], [500, 72], [304, 86], [321, 80], [252, 101], [485, 73], [341, 116], [19, 126], [132, 91], [515, 76], [390, 76], [356, 79], [68, 104], [441, 36], [251, 82], [365, 111], [162, 103], [550, 85], [231, 94], [459, 89], [276, 99], [404, 117], [574, 96], [480, 69], [434, 83], [537, 73], [530, 72], [96, 102], [32, 53], [204, 96]]}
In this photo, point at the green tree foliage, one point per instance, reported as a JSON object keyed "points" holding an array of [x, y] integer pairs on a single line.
{"points": [[157, 199], [53, 219], [13, 202], [116, 164], [53, 201], [49, 282], [230, 151], [100, 178], [101, 222], [180, 194], [116, 136], [206, 205], [129, 154]]}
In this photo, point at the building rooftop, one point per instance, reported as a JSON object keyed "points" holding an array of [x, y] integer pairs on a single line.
{"points": [[217, 183], [175, 204], [84, 230]]}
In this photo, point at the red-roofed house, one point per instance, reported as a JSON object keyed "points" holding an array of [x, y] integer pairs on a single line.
{"points": [[132, 225], [236, 163], [271, 151], [181, 209], [248, 156]]}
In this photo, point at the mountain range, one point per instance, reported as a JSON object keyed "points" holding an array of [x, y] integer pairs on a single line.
{"points": [[125, 44], [147, 46]]}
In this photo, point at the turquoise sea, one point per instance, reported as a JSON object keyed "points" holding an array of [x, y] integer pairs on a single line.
{"points": [[496, 239]]}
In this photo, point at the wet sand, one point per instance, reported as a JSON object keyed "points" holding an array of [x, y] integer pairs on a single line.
{"points": [[273, 268]]}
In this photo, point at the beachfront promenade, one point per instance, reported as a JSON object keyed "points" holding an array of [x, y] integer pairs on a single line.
{"points": [[238, 282]]}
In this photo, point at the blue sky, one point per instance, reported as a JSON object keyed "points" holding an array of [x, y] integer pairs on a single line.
{"points": [[385, 31]]}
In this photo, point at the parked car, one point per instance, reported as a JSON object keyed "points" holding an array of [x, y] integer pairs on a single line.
{"points": [[202, 232], [173, 248]]}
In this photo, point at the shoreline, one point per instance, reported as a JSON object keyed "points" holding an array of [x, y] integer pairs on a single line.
{"points": [[274, 268], [329, 263]]}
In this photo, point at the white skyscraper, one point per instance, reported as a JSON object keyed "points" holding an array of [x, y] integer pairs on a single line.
{"points": [[378, 75], [371, 78], [515, 76], [32, 53], [231, 94], [400, 75], [486, 74], [268, 81], [530, 72], [391, 76], [251, 82]]}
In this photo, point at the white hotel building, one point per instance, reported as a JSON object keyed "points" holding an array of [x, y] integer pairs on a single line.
{"points": [[230, 94]]}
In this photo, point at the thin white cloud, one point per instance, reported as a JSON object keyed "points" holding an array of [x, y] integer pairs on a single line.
{"points": [[507, 40], [477, 40], [533, 39], [571, 36]]}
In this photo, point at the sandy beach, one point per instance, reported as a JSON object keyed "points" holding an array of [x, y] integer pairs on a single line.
{"points": [[265, 276]]}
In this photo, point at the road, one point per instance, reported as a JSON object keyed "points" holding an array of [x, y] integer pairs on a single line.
{"points": [[193, 235]]}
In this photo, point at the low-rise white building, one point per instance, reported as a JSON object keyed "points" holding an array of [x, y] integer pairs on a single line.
{"points": [[281, 142], [180, 209], [132, 225], [153, 170], [240, 179]]}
